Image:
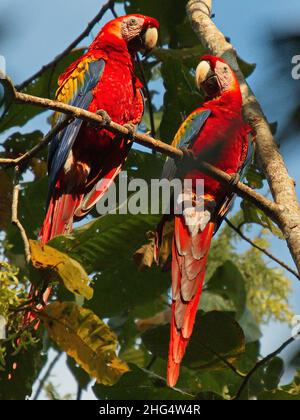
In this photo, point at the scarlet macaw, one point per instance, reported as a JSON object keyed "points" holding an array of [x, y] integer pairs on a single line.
{"points": [[84, 160], [218, 132]]}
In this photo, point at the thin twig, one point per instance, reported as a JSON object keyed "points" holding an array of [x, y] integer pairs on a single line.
{"points": [[260, 364], [224, 360], [46, 376], [14, 217], [264, 204], [107, 6], [164, 381], [263, 250], [36, 149]]}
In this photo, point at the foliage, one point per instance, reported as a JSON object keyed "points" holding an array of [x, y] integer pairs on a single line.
{"points": [[127, 353]]}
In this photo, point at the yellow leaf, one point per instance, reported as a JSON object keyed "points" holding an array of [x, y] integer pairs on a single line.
{"points": [[86, 338], [70, 272]]}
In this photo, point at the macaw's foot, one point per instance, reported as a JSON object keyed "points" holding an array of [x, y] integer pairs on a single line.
{"points": [[187, 153], [132, 129], [235, 179], [105, 117]]}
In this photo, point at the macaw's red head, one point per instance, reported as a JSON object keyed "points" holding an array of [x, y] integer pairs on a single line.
{"points": [[215, 77], [136, 33]]}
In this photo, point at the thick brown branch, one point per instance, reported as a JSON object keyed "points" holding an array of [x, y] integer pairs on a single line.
{"points": [[272, 163], [263, 250], [14, 218], [264, 204], [107, 6]]}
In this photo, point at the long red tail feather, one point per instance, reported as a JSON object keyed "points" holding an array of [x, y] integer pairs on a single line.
{"points": [[189, 256]]}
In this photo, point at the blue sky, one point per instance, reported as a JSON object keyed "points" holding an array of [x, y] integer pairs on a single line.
{"points": [[36, 31]]}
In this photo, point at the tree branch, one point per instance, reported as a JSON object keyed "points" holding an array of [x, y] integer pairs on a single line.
{"points": [[14, 217], [47, 374], [36, 149], [263, 250], [272, 163], [264, 204], [260, 364], [107, 6]]}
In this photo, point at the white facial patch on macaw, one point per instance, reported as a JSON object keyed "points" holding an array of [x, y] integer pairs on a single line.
{"points": [[225, 76], [131, 27]]}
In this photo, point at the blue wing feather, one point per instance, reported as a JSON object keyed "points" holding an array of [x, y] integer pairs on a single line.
{"points": [[185, 138], [60, 146]]}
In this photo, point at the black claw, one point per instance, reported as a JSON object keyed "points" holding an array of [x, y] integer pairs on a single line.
{"points": [[188, 154], [132, 129]]}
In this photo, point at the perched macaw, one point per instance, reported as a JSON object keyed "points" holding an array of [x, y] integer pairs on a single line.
{"points": [[84, 160], [218, 132]]}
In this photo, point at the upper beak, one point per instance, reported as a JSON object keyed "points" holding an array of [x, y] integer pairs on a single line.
{"points": [[150, 39], [203, 72]]}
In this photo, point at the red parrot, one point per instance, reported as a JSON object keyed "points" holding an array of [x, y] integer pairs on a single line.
{"points": [[84, 160], [218, 132]]}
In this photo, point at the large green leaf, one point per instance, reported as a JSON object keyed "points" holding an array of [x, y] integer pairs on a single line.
{"points": [[215, 334], [140, 385], [86, 338], [228, 282], [106, 247]]}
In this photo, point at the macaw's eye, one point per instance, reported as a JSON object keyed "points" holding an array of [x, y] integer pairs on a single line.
{"points": [[132, 22]]}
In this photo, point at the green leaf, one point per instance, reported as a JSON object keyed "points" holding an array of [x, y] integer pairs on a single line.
{"points": [[187, 56], [169, 16], [273, 373], [70, 272], [106, 246], [229, 283], [254, 215], [250, 327], [140, 384], [86, 338], [181, 96], [215, 334], [246, 68]]}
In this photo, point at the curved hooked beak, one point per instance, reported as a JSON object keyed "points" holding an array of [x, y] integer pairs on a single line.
{"points": [[150, 38], [207, 79]]}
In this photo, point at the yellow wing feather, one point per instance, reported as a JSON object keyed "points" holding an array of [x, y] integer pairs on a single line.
{"points": [[68, 88], [183, 129]]}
